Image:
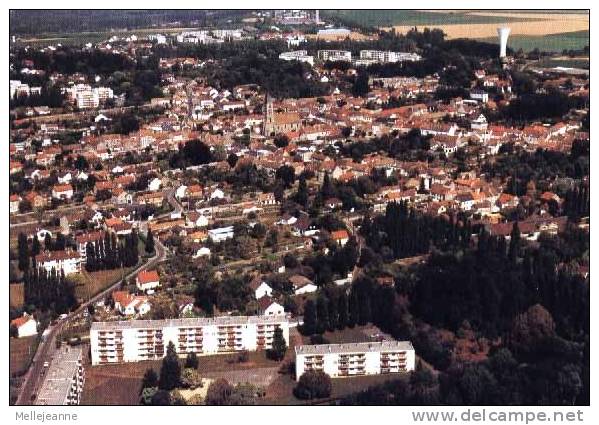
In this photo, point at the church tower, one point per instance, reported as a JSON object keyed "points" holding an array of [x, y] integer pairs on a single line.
{"points": [[269, 118]]}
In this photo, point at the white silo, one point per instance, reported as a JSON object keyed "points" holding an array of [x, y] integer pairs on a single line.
{"points": [[504, 33]]}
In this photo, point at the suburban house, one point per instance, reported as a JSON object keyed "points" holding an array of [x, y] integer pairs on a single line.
{"points": [[340, 237], [26, 325], [67, 260], [260, 288], [147, 280], [302, 285], [62, 191], [269, 307], [129, 305]]}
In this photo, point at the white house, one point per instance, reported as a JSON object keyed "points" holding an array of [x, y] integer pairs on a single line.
{"points": [[26, 325], [260, 288], [302, 285], [67, 260], [147, 279], [154, 184], [269, 307], [129, 305]]}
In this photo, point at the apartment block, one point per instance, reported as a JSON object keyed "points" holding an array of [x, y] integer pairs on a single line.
{"points": [[64, 379], [136, 340], [334, 55], [355, 359]]}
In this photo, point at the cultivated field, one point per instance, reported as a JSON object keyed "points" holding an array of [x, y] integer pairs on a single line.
{"points": [[91, 283], [528, 24], [21, 352]]}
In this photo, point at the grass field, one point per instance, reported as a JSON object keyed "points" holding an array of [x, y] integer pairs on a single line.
{"points": [[21, 353], [549, 43], [385, 18], [91, 283]]}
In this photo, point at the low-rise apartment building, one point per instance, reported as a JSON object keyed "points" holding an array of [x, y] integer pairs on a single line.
{"points": [[355, 359], [136, 340], [64, 379]]}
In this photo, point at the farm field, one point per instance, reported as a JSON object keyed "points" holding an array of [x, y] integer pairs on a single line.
{"points": [[21, 351], [93, 282], [549, 43]]}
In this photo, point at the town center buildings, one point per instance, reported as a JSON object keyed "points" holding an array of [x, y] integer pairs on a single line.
{"points": [[355, 359], [135, 340]]}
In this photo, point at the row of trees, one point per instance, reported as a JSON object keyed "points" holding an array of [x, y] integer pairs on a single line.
{"points": [[49, 291], [110, 253], [366, 302]]}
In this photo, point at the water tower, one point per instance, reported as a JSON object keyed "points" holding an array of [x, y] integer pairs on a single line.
{"points": [[503, 33]]}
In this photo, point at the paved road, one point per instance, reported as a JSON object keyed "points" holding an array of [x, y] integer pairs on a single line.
{"points": [[46, 349]]}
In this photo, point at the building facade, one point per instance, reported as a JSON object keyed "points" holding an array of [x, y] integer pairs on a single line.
{"points": [[64, 379], [136, 340], [355, 359]]}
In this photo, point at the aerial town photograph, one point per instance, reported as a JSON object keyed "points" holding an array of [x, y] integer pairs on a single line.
{"points": [[302, 207]]}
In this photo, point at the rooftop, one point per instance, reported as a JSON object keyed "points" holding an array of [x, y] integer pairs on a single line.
{"points": [[187, 322], [354, 347]]}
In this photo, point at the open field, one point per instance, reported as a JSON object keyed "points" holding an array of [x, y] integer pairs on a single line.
{"points": [[16, 295], [91, 283], [550, 43], [115, 384], [21, 352]]}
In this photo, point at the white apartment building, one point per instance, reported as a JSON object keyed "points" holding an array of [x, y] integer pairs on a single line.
{"points": [[64, 379], [67, 261], [136, 340], [334, 55], [297, 55], [382, 56], [86, 97], [355, 359]]}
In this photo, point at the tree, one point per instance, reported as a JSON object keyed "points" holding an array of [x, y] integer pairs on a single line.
{"points": [[342, 307], [219, 393], [301, 196], [23, 253], [279, 345], [281, 141], [170, 372], [14, 331], [149, 380], [232, 159], [313, 384], [161, 398], [333, 321], [149, 242], [322, 313], [192, 361], [514, 249], [310, 325], [360, 87]]}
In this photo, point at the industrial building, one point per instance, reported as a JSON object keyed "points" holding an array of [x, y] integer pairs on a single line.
{"points": [[136, 340], [63, 379], [355, 359]]}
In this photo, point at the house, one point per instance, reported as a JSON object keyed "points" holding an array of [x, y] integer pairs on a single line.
{"points": [[340, 237], [129, 305], [26, 325], [220, 234], [66, 260], [62, 191], [260, 288], [269, 307], [154, 184], [147, 280], [202, 252], [14, 203], [302, 285]]}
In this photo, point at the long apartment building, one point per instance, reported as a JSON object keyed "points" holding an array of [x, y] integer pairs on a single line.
{"points": [[63, 379], [334, 55], [355, 359], [136, 340]]}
